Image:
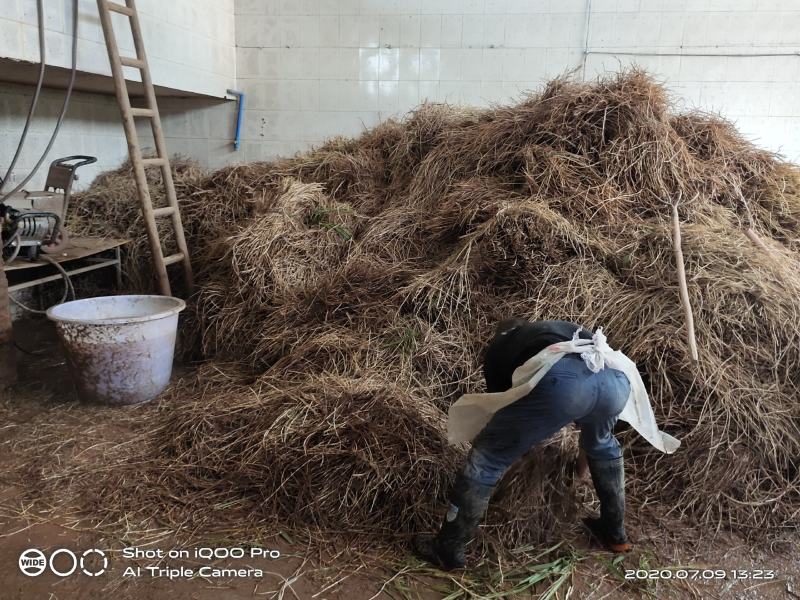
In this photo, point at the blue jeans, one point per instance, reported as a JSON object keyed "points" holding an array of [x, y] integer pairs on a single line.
{"points": [[568, 393]]}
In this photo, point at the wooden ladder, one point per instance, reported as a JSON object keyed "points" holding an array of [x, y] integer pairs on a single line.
{"points": [[150, 111]]}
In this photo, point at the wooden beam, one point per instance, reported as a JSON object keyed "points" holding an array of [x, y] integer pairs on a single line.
{"points": [[684, 289]]}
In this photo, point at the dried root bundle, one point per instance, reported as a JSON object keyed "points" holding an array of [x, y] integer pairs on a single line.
{"points": [[344, 296]]}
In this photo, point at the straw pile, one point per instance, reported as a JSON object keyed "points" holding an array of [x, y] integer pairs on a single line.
{"points": [[109, 208], [344, 296]]}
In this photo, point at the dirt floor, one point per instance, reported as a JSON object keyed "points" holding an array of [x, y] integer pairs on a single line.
{"points": [[728, 568]]}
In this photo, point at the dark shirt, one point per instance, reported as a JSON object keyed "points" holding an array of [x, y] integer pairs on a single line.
{"points": [[507, 351]]}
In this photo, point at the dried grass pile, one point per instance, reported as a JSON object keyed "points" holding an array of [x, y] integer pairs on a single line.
{"points": [[109, 209], [344, 296]]}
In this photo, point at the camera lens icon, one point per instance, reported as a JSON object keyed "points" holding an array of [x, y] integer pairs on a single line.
{"points": [[32, 562], [101, 555]]}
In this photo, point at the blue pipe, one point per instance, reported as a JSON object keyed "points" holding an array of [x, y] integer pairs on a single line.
{"points": [[239, 117]]}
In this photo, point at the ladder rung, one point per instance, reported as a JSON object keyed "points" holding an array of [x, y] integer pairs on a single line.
{"points": [[164, 211], [118, 8], [153, 162], [174, 258], [131, 61], [149, 110]]}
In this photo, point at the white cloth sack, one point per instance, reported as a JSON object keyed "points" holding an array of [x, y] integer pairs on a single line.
{"points": [[470, 413]]}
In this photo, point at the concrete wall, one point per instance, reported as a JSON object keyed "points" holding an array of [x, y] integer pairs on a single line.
{"points": [[189, 43], [316, 68]]}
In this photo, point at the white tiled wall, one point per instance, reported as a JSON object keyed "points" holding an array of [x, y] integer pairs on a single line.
{"points": [[737, 57], [316, 68], [189, 43], [92, 126], [312, 69], [201, 129]]}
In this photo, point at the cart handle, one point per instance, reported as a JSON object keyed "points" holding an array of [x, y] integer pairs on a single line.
{"points": [[84, 160]]}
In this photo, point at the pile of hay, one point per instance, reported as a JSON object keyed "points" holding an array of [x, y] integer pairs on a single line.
{"points": [[109, 208], [344, 295]]}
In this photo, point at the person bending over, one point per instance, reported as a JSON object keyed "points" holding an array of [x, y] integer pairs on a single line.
{"points": [[569, 393]]}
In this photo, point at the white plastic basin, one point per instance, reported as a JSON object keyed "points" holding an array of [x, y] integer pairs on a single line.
{"points": [[119, 348]]}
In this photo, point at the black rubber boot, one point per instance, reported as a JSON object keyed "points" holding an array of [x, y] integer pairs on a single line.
{"points": [[468, 502], [608, 477]]}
